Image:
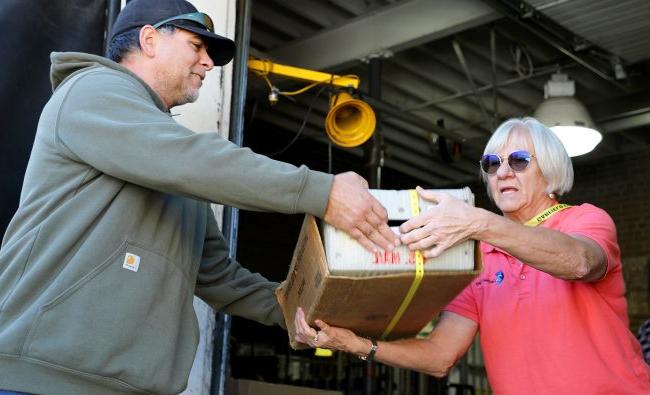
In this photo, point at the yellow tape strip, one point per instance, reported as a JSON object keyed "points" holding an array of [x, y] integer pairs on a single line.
{"points": [[419, 271], [323, 352]]}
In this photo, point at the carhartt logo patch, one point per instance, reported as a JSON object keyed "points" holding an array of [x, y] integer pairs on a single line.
{"points": [[131, 262]]}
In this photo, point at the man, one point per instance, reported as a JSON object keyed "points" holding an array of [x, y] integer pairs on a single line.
{"points": [[114, 233]]}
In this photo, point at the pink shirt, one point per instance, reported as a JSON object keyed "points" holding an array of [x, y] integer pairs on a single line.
{"points": [[544, 335]]}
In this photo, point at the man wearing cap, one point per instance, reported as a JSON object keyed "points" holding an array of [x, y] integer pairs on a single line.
{"points": [[114, 233]]}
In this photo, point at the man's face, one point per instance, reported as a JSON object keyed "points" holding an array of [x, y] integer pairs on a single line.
{"points": [[182, 65]]}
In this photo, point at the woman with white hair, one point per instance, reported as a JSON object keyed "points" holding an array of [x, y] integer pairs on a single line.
{"points": [[550, 303]]}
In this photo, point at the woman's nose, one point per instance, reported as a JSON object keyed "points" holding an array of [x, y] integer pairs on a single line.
{"points": [[504, 170]]}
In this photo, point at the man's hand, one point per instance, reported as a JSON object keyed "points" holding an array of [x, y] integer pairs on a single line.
{"points": [[355, 211]]}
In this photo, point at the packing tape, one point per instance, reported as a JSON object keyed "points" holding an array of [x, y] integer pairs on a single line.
{"points": [[419, 271], [323, 352]]}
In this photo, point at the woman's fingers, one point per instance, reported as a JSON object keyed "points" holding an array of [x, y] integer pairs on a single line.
{"points": [[432, 196]]}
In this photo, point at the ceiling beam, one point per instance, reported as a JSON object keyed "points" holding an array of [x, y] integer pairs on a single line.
{"points": [[266, 13], [398, 138], [425, 169], [392, 28], [554, 34], [630, 120], [354, 7], [462, 118]]}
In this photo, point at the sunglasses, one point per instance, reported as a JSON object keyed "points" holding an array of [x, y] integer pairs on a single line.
{"points": [[197, 17], [518, 161]]}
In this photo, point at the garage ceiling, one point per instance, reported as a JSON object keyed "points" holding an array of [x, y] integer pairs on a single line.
{"points": [[455, 69]]}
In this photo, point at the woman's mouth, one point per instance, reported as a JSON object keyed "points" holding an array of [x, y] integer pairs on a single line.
{"points": [[508, 190]]}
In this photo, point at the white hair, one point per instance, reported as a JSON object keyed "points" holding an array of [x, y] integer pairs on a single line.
{"points": [[552, 158]]}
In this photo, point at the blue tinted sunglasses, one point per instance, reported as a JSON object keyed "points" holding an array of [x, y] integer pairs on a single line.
{"points": [[518, 161]]}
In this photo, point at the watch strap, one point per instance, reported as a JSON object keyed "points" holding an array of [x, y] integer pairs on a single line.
{"points": [[371, 354]]}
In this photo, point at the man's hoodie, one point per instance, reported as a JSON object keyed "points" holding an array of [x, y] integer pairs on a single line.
{"points": [[114, 235]]}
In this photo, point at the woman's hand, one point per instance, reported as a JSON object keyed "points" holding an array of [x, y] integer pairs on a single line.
{"points": [[442, 226], [328, 337]]}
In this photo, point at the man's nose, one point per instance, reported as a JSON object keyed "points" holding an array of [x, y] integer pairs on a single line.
{"points": [[206, 60]]}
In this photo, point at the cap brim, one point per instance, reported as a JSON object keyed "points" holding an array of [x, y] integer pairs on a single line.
{"points": [[220, 49]]}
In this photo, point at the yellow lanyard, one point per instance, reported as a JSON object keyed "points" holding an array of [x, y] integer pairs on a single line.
{"points": [[546, 214], [419, 271]]}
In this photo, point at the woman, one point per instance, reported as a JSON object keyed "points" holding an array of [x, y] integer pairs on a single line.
{"points": [[549, 305]]}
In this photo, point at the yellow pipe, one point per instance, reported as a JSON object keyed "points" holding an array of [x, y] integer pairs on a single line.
{"points": [[267, 67]]}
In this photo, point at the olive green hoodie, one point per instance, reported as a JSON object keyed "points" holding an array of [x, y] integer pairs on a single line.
{"points": [[114, 235]]}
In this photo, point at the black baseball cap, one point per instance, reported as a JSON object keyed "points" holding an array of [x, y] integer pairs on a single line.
{"points": [[179, 13]]}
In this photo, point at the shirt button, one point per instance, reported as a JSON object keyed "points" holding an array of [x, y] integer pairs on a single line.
{"points": [[523, 277]]}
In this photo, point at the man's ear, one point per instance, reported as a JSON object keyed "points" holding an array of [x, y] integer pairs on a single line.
{"points": [[148, 40]]}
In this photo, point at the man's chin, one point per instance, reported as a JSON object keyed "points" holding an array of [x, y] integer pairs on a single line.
{"points": [[189, 98], [192, 95]]}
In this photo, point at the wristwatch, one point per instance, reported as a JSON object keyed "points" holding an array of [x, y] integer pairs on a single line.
{"points": [[371, 353]]}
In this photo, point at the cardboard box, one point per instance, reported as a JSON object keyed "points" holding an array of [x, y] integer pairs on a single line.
{"points": [[346, 257], [252, 387], [365, 305]]}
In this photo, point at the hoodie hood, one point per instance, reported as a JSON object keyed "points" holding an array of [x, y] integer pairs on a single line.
{"points": [[67, 64]]}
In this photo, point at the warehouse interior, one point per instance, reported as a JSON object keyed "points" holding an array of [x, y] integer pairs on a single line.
{"points": [[440, 76], [440, 90]]}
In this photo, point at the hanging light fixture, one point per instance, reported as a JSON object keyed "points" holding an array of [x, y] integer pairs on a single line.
{"points": [[567, 117], [350, 122]]}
